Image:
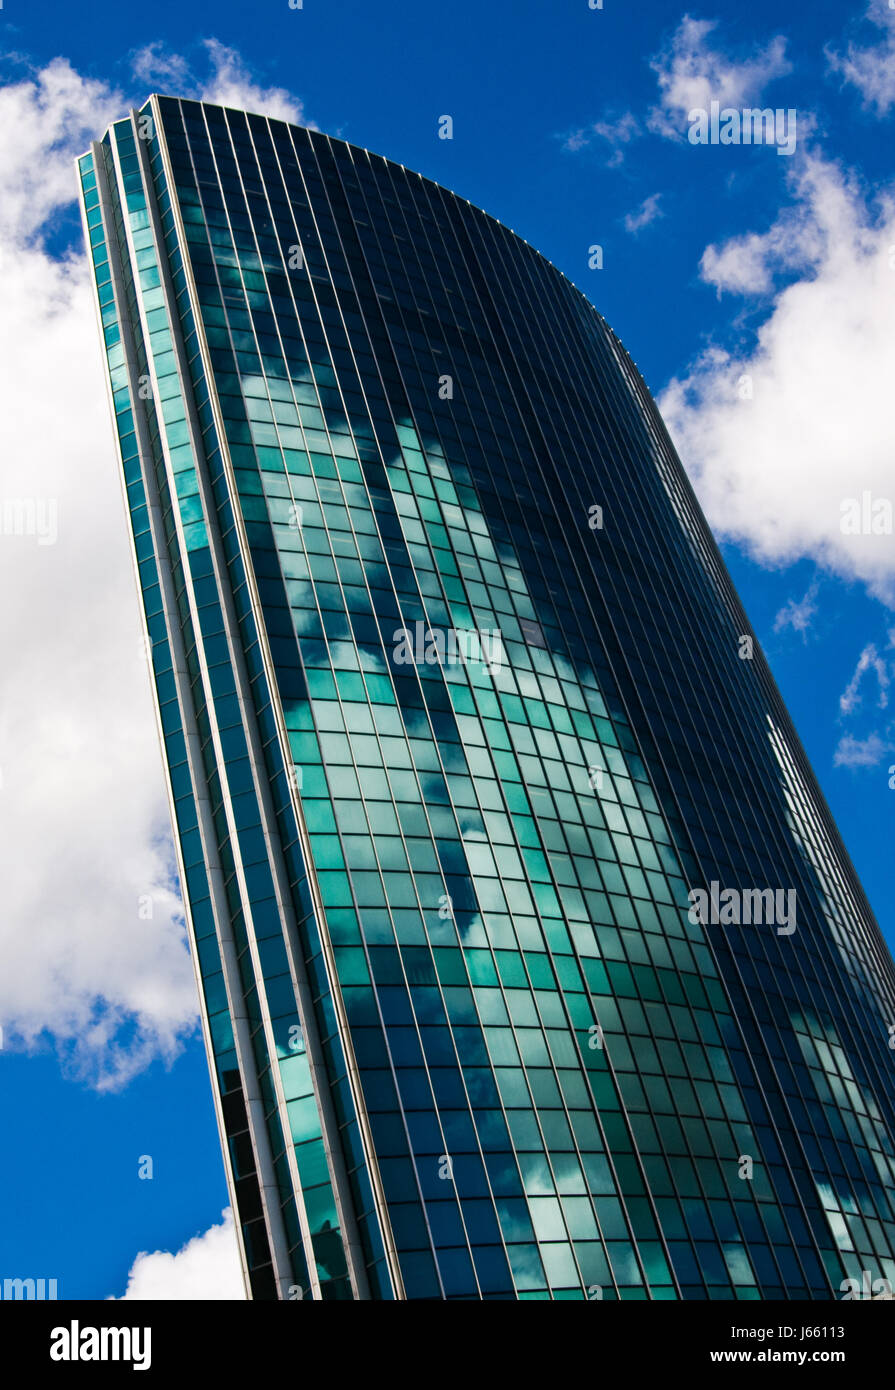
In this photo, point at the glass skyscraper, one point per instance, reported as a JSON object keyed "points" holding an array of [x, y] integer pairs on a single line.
{"points": [[532, 965]]}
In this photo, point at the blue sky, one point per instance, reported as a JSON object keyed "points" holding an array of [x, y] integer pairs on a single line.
{"points": [[722, 265]]}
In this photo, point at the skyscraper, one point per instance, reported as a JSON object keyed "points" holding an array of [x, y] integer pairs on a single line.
{"points": [[531, 962]]}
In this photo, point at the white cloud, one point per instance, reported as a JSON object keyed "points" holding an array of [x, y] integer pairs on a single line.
{"points": [[155, 63], [860, 752], [868, 751], [83, 815], [44, 121], [798, 613], [616, 131], [871, 68], [227, 82], [869, 660], [231, 85], [642, 216], [751, 263], [778, 434], [691, 74], [207, 1267]]}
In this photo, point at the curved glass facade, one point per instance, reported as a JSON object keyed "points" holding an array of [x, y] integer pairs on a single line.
{"points": [[531, 962]]}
